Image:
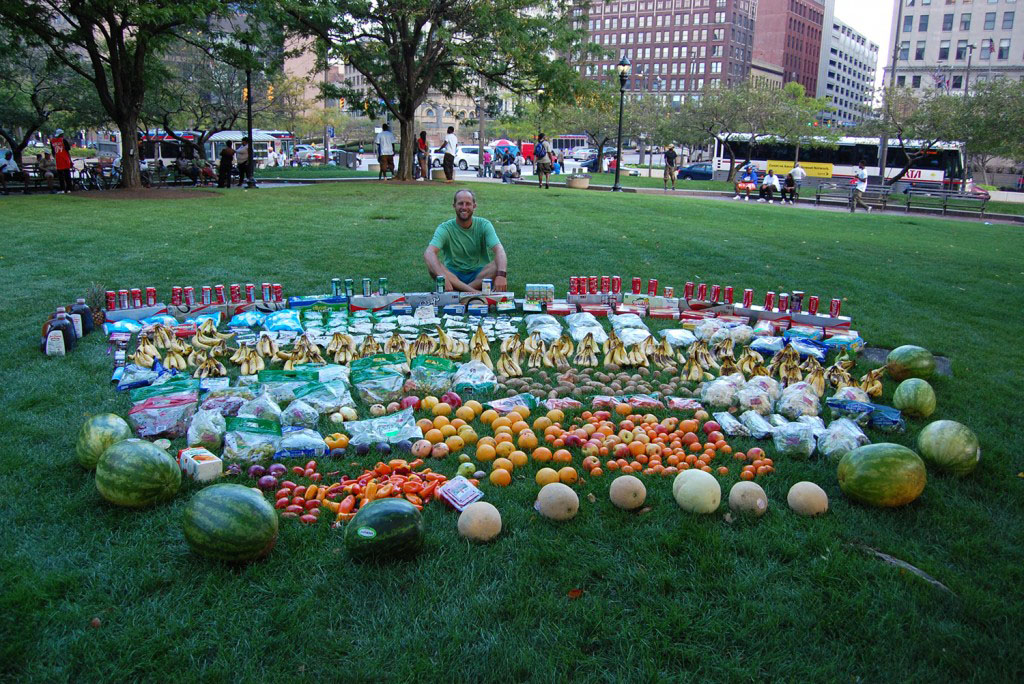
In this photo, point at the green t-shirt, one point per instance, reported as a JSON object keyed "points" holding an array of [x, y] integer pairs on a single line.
{"points": [[465, 249]]}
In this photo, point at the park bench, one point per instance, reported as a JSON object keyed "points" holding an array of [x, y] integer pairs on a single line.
{"points": [[842, 193], [945, 200]]}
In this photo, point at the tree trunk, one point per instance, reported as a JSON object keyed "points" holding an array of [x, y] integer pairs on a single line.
{"points": [[407, 151], [796, 157], [641, 152], [130, 176]]}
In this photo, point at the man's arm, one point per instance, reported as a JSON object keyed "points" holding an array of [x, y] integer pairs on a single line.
{"points": [[430, 255], [501, 263]]}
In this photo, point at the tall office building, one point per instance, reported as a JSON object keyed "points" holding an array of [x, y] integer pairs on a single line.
{"points": [[847, 72], [676, 47], [949, 45], [789, 34]]}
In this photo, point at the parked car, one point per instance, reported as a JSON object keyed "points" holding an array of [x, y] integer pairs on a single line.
{"points": [[584, 153], [466, 157], [308, 153], [698, 171]]}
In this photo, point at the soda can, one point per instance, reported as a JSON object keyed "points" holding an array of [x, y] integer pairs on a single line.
{"points": [[574, 283], [207, 295], [366, 287], [748, 298], [833, 308], [727, 294], [812, 304], [276, 288], [796, 302], [637, 285], [593, 284], [250, 292], [652, 286], [218, 294], [485, 285], [382, 286], [606, 284], [136, 298], [335, 286], [716, 292], [439, 284], [769, 301], [688, 290], [670, 291], [702, 292], [112, 299], [783, 301], [616, 284], [189, 296], [236, 293], [150, 296], [267, 292]]}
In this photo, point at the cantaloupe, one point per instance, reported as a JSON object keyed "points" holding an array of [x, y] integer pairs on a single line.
{"points": [[747, 498], [627, 492], [807, 498], [480, 522], [697, 491], [558, 501]]}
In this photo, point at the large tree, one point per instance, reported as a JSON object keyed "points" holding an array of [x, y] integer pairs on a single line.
{"points": [[795, 113], [404, 49], [110, 43], [991, 110]]}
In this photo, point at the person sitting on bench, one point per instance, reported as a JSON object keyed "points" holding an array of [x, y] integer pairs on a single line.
{"points": [[789, 188]]}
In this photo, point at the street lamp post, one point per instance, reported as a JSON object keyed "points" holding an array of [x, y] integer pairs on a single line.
{"points": [[480, 143], [623, 69], [967, 79]]}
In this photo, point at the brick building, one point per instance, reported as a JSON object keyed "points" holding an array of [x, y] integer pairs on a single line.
{"points": [[789, 34]]}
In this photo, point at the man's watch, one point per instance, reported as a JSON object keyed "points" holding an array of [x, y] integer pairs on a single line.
{"points": [[501, 274]]}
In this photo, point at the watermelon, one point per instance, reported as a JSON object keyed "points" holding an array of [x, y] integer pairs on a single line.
{"points": [[949, 446], [883, 474], [230, 522], [386, 528], [914, 397], [910, 361], [98, 433], [136, 473]]}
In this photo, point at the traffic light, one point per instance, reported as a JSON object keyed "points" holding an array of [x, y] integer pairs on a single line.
{"points": [[270, 93], [245, 94], [341, 103]]}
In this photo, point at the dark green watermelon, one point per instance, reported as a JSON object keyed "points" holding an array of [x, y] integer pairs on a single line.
{"points": [[98, 433], [915, 398], [136, 473], [386, 528], [883, 474], [950, 446], [910, 361], [230, 522]]}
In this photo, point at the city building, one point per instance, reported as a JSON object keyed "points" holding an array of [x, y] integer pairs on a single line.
{"points": [[953, 44], [766, 75], [789, 33], [847, 71], [676, 47]]}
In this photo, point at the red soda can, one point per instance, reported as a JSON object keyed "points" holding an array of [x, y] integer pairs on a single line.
{"points": [[833, 308], [594, 284], [176, 295], [616, 284], [123, 300], [250, 292], [150, 296], [670, 291], [277, 292], [189, 295], [783, 301], [267, 292], [235, 292], [769, 301], [652, 287], [716, 292], [637, 285], [748, 298], [688, 290], [111, 300], [727, 294], [207, 295], [796, 302], [218, 294], [812, 304], [702, 292], [606, 284], [136, 298], [573, 284]]}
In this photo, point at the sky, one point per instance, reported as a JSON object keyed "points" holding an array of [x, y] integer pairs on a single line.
{"points": [[873, 18]]}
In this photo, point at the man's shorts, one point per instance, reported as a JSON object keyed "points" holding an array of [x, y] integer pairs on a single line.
{"points": [[670, 172], [387, 162], [543, 167], [466, 276]]}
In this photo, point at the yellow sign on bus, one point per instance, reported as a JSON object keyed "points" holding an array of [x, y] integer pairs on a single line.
{"points": [[815, 169]]}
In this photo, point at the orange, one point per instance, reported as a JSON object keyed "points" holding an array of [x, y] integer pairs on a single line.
{"points": [[542, 423], [562, 456], [502, 437], [468, 435], [527, 440], [448, 430], [441, 421], [500, 421], [523, 411], [519, 426], [475, 405], [568, 475], [424, 424], [465, 413], [454, 443], [546, 476], [442, 409], [504, 448], [636, 448], [487, 440], [503, 463], [428, 402], [488, 416], [541, 454], [458, 423], [746, 475], [556, 416], [500, 477], [503, 430], [518, 458], [485, 452], [433, 436]]}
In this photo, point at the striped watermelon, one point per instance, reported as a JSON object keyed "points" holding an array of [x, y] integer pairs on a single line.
{"points": [[386, 528], [914, 397], [949, 446], [230, 522], [98, 433], [883, 474], [136, 473], [910, 361]]}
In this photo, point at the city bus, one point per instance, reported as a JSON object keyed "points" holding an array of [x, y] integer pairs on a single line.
{"points": [[567, 143], [942, 165]]}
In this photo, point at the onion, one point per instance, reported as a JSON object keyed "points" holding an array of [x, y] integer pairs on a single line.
{"points": [[256, 471], [277, 469], [267, 482]]}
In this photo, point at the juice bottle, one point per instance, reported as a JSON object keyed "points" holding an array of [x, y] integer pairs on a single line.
{"points": [[59, 335], [81, 316]]}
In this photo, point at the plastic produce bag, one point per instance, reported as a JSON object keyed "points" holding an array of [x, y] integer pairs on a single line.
{"points": [[247, 319], [705, 329], [623, 321], [126, 325], [719, 393], [206, 430], [755, 399], [809, 348], [159, 319], [776, 420], [186, 387], [300, 442], [163, 416], [138, 376], [546, 325], [719, 335], [679, 338], [325, 397], [287, 319], [730, 425], [580, 324], [841, 437], [857, 411], [391, 428], [816, 423], [262, 407], [741, 334], [395, 361], [765, 384], [767, 346], [852, 393], [474, 377], [683, 404], [378, 385], [228, 401], [794, 439], [327, 372], [563, 403], [631, 336], [251, 439], [798, 401], [431, 375], [757, 424], [299, 413], [643, 401], [281, 384], [506, 404]]}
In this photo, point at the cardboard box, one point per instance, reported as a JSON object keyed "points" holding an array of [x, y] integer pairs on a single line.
{"points": [[599, 310], [665, 313], [199, 464], [309, 300], [638, 309], [561, 308], [227, 311], [832, 331]]}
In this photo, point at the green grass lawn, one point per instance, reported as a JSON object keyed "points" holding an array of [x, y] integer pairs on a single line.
{"points": [[313, 172], [666, 596]]}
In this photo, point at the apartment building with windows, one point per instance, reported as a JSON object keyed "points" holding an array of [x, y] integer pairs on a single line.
{"points": [[789, 33], [846, 74], [948, 44]]}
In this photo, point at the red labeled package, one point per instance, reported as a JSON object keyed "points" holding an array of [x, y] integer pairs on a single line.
{"points": [[166, 416]]}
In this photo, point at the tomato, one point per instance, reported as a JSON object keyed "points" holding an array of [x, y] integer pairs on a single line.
{"points": [[282, 503], [308, 519], [310, 505], [295, 509], [298, 470], [282, 493], [311, 465]]}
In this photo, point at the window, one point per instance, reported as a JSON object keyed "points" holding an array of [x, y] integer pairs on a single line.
{"points": [[905, 49], [1007, 20], [961, 49], [901, 81], [1004, 49], [965, 21], [947, 22], [908, 22], [990, 21], [958, 82], [719, 17], [922, 23], [943, 50], [986, 48], [919, 50], [915, 82]]}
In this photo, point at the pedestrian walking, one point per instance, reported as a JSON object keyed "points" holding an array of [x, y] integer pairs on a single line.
{"points": [[227, 156], [384, 143], [860, 182], [670, 166], [61, 149], [449, 148]]}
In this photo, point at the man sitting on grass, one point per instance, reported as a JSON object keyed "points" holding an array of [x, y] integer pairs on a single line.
{"points": [[458, 250]]}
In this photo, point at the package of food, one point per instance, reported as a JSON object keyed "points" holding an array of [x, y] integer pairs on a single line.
{"points": [[228, 401], [741, 334], [247, 319], [584, 323], [603, 401], [391, 428], [302, 443], [719, 393], [730, 425], [857, 411], [887, 419], [325, 397], [326, 371], [841, 437], [679, 338], [706, 328], [794, 439], [186, 386], [631, 336], [767, 346], [507, 404], [135, 376], [163, 416], [625, 321], [262, 407], [431, 374], [757, 424], [809, 348], [852, 393], [844, 342], [300, 414], [798, 401], [286, 319], [206, 430], [546, 325], [281, 384], [562, 403], [395, 361], [378, 384], [474, 377], [683, 404], [767, 384], [776, 420], [752, 398], [816, 423], [645, 402], [251, 439]]}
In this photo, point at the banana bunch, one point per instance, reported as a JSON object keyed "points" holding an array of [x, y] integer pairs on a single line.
{"points": [[847, 358], [147, 347], [175, 361], [810, 365], [536, 358], [700, 352], [616, 354], [267, 347], [339, 341], [395, 344], [748, 359], [369, 347], [141, 358], [729, 366], [479, 339], [511, 345], [480, 352], [563, 345], [241, 354], [532, 343], [649, 345], [196, 358], [694, 372], [637, 357], [422, 345], [556, 358], [789, 373], [211, 368], [610, 342], [163, 336], [252, 363], [724, 348], [207, 337], [837, 376], [663, 354], [449, 347], [586, 355], [508, 366], [816, 379], [871, 382], [788, 355]]}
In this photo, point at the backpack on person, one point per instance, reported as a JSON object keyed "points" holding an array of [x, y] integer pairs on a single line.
{"points": [[541, 151]]}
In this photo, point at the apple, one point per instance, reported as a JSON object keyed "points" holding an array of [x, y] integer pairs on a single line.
{"points": [[710, 426], [466, 469], [337, 418], [622, 451], [422, 448], [349, 413], [452, 399], [393, 406], [412, 402], [439, 450], [755, 453], [377, 410]]}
